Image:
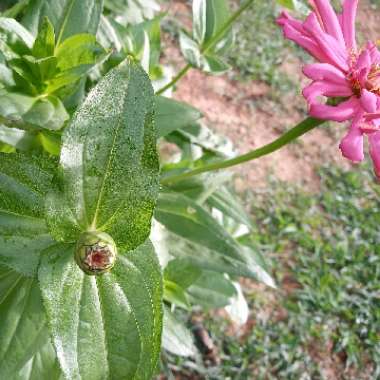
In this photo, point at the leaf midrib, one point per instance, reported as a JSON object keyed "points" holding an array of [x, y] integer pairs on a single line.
{"points": [[110, 160], [68, 10]]}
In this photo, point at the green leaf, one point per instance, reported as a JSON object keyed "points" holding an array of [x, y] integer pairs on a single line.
{"points": [[227, 202], [13, 106], [47, 68], [217, 15], [212, 290], [69, 17], [23, 232], [175, 295], [10, 26], [190, 50], [45, 42], [16, 9], [172, 115], [62, 224], [106, 326], [18, 138], [5, 148], [22, 239], [48, 112], [26, 352], [24, 182], [205, 242], [6, 76], [67, 78], [214, 65], [109, 157], [51, 142], [176, 337], [199, 20], [208, 63], [133, 11], [182, 272], [201, 135], [81, 49], [107, 35], [209, 17]]}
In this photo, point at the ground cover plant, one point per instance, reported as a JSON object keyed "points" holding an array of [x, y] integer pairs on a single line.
{"points": [[115, 217], [324, 322]]}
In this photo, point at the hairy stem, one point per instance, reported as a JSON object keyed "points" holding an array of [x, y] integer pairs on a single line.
{"points": [[299, 130]]}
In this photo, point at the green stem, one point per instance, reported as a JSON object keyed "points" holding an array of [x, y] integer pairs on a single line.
{"points": [[174, 80], [209, 45], [299, 130]]}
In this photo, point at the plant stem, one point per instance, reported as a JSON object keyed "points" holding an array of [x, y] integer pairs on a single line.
{"points": [[299, 130], [209, 45], [174, 80]]}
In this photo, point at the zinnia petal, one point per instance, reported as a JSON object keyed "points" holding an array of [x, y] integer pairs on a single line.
{"points": [[342, 112], [348, 23], [368, 101], [351, 145], [328, 44], [324, 71], [303, 40], [316, 89], [374, 151], [330, 20]]}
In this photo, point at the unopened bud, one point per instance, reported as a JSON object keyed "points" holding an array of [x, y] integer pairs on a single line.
{"points": [[95, 252]]}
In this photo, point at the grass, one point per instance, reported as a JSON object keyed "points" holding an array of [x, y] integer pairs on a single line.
{"points": [[334, 241], [325, 317], [260, 49]]}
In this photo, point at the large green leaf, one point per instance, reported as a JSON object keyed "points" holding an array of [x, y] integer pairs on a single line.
{"points": [[205, 242], [26, 352], [109, 157], [109, 326], [68, 17], [172, 115], [24, 181]]}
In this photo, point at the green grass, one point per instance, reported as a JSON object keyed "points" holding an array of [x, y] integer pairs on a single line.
{"points": [[334, 242], [327, 245], [260, 48]]}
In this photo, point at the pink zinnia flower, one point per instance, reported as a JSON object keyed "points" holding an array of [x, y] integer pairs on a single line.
{"points": [[342, 71]]}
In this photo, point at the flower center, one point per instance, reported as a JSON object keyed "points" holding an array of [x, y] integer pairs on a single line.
{"points": [[98, 257]]}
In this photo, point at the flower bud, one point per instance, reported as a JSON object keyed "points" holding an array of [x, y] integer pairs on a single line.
{"points": [[95, 252]]}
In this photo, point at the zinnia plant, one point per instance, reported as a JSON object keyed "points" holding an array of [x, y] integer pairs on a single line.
{"points": [[343, 71], [102, 238]]}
